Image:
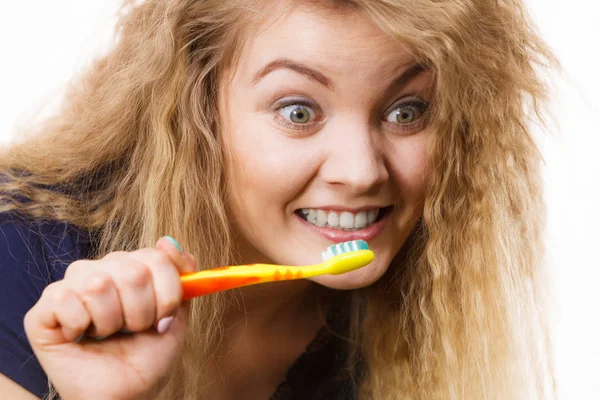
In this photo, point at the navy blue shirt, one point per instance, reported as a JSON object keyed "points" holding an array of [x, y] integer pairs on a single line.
{"points": [[32, 255], [35, 254]]}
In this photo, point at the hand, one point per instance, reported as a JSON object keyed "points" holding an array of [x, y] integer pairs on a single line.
{"points": [[139, 292]]}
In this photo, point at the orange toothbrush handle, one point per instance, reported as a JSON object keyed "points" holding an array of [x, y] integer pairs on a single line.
{"points": [[225, 278], [212, 284]]}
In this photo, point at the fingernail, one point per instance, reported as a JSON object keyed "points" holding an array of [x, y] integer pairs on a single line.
{"points": [[164, 324], [175, 243]]}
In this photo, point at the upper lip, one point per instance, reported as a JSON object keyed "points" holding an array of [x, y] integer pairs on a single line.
{"points": [[348, 209]]}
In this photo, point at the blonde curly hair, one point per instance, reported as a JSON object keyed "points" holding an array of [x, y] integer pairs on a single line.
{"points": [[135, 153]]}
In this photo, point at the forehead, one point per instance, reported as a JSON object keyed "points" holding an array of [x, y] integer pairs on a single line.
{"points": [[334, 41]]}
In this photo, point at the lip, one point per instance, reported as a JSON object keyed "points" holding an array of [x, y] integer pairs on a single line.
{"points": [[335, 235], [348, 209]]}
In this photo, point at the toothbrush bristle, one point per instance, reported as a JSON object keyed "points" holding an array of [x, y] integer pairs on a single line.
{"points": [[344, 247]]}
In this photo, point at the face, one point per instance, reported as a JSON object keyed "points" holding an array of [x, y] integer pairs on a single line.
{"points": [[323, 122]]}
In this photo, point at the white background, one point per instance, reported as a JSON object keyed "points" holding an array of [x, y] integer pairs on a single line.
{"points": [[42, 43]]}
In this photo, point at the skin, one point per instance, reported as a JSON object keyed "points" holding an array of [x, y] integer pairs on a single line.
{"points": [[349, 156], [346, 156], [124, 290]]}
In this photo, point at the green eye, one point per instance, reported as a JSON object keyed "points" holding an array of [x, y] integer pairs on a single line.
{"points": [[405, 114], [298, 114]]}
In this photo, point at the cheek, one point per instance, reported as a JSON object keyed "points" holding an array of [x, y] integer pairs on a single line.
{"points": [[411, 175], [266, 169], [410, 168]]}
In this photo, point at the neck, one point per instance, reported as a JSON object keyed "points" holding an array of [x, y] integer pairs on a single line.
{"points": [[267, 327], [274, 304], [278, 305]]}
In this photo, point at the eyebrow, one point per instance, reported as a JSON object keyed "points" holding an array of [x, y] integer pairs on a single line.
{"points": [[407, 75], [284, 63]]}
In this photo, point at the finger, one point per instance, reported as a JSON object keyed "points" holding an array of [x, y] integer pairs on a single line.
{"points": [[59, 316], [184, 261], [133, 280], [191, 263], [77, 269], [183, 312], [101, 299], [173, 249], [165, 279]]}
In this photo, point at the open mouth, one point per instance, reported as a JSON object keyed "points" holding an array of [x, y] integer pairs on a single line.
{"points": [[343, 220]]}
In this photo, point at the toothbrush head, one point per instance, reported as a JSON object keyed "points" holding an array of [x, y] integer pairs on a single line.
{"points": [[347, 256], [344, 247]]}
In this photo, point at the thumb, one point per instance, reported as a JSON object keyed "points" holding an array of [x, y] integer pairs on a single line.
{"points": [[184, 262], [190, 264]]}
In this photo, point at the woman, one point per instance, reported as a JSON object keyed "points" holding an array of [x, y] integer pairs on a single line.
{"points": [[245, 130]]}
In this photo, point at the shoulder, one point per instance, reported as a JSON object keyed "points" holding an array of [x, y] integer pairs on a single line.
{"points": [[33, 254], [39, 249]]}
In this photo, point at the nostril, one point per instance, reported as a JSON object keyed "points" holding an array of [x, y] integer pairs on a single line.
{"points": [[359, 166]]}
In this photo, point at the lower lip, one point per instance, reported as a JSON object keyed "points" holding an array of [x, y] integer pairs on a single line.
{"points": [[336, 235]]}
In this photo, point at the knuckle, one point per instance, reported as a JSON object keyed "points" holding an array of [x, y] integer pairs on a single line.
{"points": [[160, 258], [99, 283], [115, 255], [144, 251], [56, 293], [135, 274], [76, 267]]}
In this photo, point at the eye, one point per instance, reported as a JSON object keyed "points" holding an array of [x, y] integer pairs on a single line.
{"points": [[298, 113], [406, 113]]}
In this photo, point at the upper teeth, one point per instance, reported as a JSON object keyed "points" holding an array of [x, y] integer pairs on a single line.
{"points": [[343, 220]]}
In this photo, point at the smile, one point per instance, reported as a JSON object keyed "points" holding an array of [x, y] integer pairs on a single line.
{"points": [[342, 220]]}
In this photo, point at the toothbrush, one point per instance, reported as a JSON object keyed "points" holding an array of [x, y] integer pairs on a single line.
{"points": [[337, 259]]}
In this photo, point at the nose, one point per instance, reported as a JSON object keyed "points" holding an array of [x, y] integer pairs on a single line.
{"points": [[354, 159]]}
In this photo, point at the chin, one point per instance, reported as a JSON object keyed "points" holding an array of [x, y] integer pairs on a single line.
{"points": [[356, 279]]}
